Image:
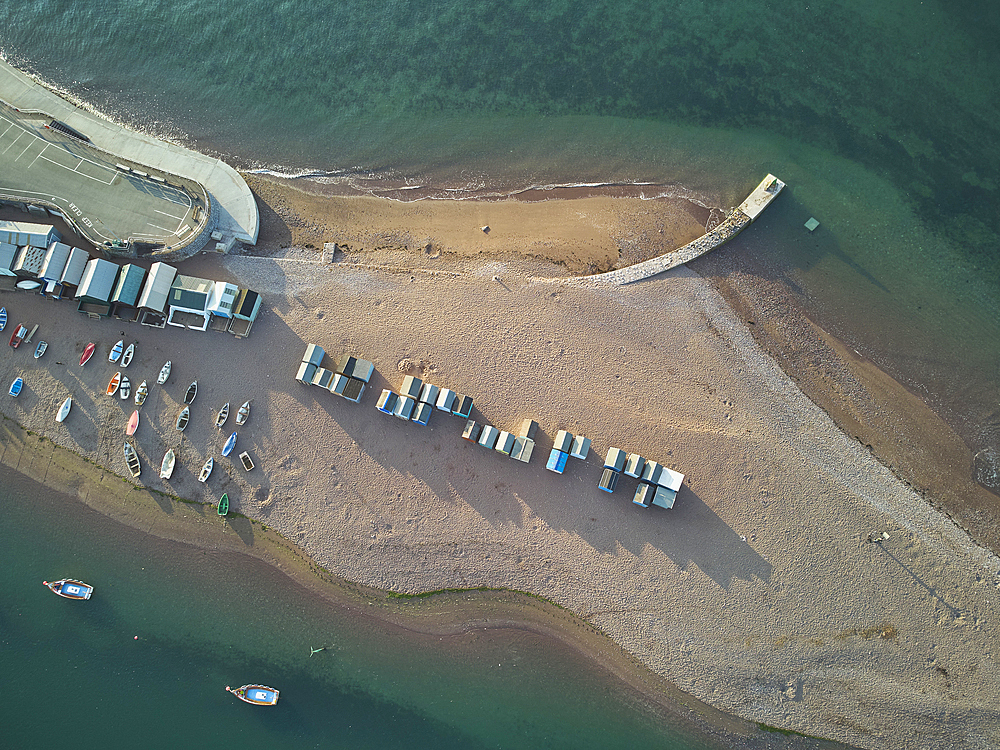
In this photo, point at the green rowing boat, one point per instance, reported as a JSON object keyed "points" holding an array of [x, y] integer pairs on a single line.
{"points": [[224, 505]]}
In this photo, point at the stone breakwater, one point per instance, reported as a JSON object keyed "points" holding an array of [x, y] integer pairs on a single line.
{"points": [[735, 222]]}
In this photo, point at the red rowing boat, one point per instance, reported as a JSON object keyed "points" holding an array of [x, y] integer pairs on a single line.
{"points": [[87, 354]]}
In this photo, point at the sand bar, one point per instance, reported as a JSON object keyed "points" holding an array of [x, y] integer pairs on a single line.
{"points": [[759, 593]]}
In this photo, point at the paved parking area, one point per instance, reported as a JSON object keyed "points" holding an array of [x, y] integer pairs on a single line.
{"points": [[107, 199]]}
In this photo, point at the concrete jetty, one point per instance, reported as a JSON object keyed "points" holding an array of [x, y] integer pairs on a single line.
{"points": [[233, 207], [738, 219]]}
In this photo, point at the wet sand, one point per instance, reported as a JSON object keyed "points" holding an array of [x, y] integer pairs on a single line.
{"points": [[759, 593]]}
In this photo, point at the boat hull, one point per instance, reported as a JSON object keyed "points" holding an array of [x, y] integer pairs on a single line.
{"points": [[127, 356], [64, 410], [132, 460], [224, 505], [40, 349], [223, 416], [133, 424], [69, 588], [116, 351], [192, 391], [230, 444], [164, 373], [15, 387], [167, 467], [87, 354], [258, 695]]}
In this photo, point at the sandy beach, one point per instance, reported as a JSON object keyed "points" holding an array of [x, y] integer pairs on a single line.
{"points": [[759, 593]]}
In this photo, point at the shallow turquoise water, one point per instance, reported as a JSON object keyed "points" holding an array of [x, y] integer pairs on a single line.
{"points": [[205, 620]]}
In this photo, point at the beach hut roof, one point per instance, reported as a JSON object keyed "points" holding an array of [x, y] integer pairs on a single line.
{"points": [[314, 354], [129, 284], [157, 289], [98, 280], [75, 266], [25, 233], [563, 441], [190, 293], [247, 305], [29, 260], [55, 261], [7, 254], [222, 297]]}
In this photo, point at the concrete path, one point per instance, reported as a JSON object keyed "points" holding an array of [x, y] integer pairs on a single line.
{"points": [[233, 203]]}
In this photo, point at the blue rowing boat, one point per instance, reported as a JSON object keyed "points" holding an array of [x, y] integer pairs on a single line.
{"points": [[230, 444], [258, 695]]}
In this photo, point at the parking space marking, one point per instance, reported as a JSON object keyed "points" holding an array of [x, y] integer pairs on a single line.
{"points": [[14, 141], [179, 218]]}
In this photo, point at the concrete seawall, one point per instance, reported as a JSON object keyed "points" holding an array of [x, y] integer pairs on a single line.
{"points": [[233, 207], [736, 221]]}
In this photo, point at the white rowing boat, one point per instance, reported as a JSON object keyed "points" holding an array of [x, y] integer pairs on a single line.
{"points": [[132, 459], [116, 351], [64, 409], [223, 416], [140, 393], [183, 418], [164, 373], [127, 356], [243, 414], [206, 470], [167, 467]]}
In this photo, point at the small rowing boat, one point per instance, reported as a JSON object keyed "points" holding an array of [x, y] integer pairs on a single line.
{"points": [[247, 461], [223, 416], [15, 387], [3, 318], [133, 423], [167, 467], [230, 444], [126, 388], [132, 459], [258, 695], [114, 383], [224, 505], [206, 470], [192, 391], [127, 356], [71, 589], [116, 351], [18, 336], [140, 393], [183, 418], [243, 414], [64, 409], [164, 373], [40, 349], [87, 354]]}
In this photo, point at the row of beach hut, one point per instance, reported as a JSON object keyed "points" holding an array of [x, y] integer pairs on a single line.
{"points": [[416, 401], [347, 379], [102, 288]]}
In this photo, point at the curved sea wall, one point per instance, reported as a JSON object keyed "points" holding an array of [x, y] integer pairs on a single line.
{"points": [[234, 209]]}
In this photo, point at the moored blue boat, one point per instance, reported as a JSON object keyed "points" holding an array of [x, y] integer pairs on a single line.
{"points": [[71, 589], [258, 695]]}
